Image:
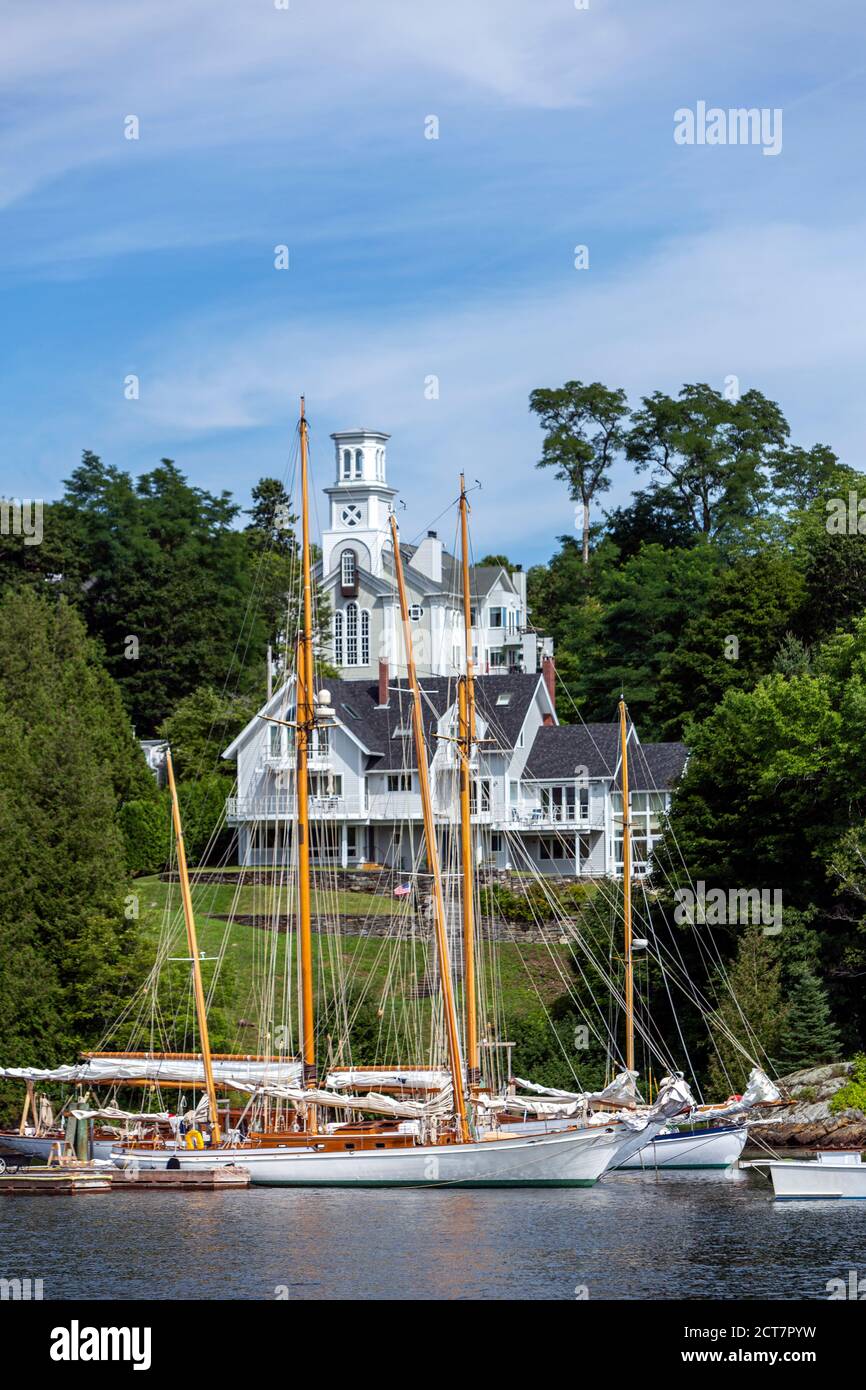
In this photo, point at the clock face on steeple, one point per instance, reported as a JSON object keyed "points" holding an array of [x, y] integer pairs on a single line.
{"points": [[352, 514]]}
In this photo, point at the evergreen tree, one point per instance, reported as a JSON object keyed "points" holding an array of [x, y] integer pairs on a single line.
{"points": [[63, 872], [809, 1036], [751, 1008]]}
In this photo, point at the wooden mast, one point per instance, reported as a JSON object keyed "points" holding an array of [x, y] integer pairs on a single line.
{"points": [[304, 726], [626, 890], [455, 1062], [466, 714], [192, 942]]}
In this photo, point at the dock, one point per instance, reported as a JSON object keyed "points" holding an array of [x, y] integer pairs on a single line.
{"points": [[68, 1178], [193, 1179], [53, 1182]]}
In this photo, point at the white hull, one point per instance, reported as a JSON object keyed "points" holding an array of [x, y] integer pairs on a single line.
{"points": [[33, 1146], [571, 1158], [718, 1148], [808, 1179]]}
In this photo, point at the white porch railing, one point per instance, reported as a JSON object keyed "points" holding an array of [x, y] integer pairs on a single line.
{"points": [[243, 808]]}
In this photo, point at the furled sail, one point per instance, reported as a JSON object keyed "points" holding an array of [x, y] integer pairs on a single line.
{"points": [[96, 1071]]}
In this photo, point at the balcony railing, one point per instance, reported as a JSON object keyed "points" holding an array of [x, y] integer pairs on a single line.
{"points": [[398, 806], [528, 814], [244, 808]]}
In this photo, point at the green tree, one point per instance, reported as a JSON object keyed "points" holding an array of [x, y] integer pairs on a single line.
{"points": [[63, 876], [202, 725], [751, 1009], [584, 432], [713, 453], [733, 638], [809, 1036]]}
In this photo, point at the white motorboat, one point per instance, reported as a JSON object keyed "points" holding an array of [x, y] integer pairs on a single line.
{"points": [[830, 1175]]}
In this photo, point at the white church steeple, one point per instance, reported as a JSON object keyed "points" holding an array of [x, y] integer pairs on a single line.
{"points": [[359, 501]]}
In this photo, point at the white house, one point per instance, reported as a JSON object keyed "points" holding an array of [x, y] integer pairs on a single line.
{"points": [[544, 794], [357, 574]]}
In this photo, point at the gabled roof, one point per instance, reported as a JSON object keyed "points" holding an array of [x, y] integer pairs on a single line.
{"points": [[559, 750], [502, 702], [658, 765], [356, 704]]}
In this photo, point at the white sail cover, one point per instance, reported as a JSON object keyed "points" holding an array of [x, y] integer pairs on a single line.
{"points": [[621, 1091], [100, 1071], [759, 1091], [674, 1098], [355, 1078], [371, 1103]]}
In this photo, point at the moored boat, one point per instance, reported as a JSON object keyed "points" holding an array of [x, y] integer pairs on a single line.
{"points": [[830, 1175]]}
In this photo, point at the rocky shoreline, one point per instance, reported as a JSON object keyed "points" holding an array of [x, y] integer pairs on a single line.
{"points": [[806, 1121]]}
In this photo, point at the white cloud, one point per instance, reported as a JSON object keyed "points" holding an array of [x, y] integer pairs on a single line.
{"points": [[776, 305], [210, 72]]}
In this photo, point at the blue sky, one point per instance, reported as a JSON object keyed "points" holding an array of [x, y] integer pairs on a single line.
{"points": [[412, 257]]}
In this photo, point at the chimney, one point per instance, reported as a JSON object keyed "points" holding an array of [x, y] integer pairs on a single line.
{"points": [[548, 671], [428, 558], [383, 682]]}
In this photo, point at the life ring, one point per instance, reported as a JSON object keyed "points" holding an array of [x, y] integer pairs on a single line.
{"points": [[195, 1139]]}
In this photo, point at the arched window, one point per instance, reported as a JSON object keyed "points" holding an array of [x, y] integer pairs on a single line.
{"points": [[348, 569], [351, 634], [338, 638], [347, 463], [359, 463], [365, 637]]}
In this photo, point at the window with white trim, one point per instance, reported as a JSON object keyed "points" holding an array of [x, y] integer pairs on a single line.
{"points": [[338, 638], [399, 781], [351, 634], [346, 471], [365, 637], [348, 568], [359, 463]]}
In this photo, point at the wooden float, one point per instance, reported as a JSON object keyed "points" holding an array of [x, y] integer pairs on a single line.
{"points": [[54, 1182], [190, 1179]]}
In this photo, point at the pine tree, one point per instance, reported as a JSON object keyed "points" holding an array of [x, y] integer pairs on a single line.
{"points": [[809, 1036], [751, 1009], [68, 948]]}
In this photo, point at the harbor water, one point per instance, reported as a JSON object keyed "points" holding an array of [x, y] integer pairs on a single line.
{"points": [[641, 1236]]}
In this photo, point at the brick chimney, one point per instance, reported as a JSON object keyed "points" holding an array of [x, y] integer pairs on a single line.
{"points": [[548, 671], [383, 682]]}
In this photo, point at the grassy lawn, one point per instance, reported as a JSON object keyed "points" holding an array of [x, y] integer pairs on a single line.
{"points": [[383, 970]]}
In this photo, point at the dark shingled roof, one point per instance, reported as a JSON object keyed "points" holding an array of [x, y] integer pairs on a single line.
{"points": [[559, 750], [356, 704], [657, 765]]}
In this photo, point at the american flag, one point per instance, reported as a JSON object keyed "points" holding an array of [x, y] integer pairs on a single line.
{"points": [[402, 890]]}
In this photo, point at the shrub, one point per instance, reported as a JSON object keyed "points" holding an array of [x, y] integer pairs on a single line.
{"points": [[852, 1096]]}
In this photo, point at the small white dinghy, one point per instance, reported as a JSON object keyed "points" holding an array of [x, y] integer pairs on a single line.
{"points": [[830, 1174]]}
